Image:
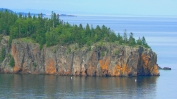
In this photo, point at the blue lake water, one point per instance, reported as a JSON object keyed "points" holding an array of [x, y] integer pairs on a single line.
{"points": [[161, 35], [56, 87]]}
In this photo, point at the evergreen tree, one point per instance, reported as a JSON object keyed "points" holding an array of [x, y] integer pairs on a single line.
{"points": [[87, 30], [52, 31], [143, 41], [125, 37], [119, 38], [80, 27], [139, 41], [131, 40]]}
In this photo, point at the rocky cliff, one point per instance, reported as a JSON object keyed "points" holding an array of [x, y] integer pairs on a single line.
{"points": [[108, 59]]}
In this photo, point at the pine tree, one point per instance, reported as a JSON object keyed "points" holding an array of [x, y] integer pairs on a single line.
{"points": [[125, 37], [139, 41], [131, 40]]}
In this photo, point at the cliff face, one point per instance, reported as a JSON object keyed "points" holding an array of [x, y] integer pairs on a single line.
{"points": [[107, 60]]}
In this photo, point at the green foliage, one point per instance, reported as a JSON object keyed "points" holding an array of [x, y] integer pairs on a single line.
{"points": [[89, 49], [101, 44], [117, 52], [102, 53], [54, 51], [139, 42], [142, 42], [75, 47], [34, 64], [147, 46], [12, 61], [52, 31], [68, 50], [119, 38], [125, 37], [2, 55], [131, 40], [27, 40], [0, 38], [41, 46]]}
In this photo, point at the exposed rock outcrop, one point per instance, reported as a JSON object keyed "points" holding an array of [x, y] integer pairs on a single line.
{"points": [[166, 68], [107, 60]]}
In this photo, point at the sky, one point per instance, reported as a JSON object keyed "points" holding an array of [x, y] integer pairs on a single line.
{"points": [[96, 7]]}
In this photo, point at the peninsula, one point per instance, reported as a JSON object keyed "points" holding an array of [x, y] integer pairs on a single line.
{"points": [[39, 45]]}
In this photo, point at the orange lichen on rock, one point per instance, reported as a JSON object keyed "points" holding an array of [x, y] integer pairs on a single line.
{"points": [[125, 70], [90, 70], [145, 60], [155, 70], [16, 69], [152, 68], [104, 64], [83, 73], [117, 70], [50, 66], [16, 58], [121, 70], [13, 48]]}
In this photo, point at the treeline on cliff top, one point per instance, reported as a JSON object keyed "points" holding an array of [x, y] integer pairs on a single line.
{"points": [[52, 31]]}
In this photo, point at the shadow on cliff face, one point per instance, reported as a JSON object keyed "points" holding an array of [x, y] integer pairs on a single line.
{"points": [[53, 86]]}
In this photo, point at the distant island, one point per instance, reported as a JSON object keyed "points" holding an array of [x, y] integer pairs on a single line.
{"points": [[33, 14], [18, 13], [39, 45], [68, 15], [5, 9]]}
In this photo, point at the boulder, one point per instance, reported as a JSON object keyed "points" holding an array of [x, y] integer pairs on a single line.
{"points": [[166, 68]]}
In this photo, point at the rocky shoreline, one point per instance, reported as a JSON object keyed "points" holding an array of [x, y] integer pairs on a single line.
{"points": [[165, 68], [109, 59]]}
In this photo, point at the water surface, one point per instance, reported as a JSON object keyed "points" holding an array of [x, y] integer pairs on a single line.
{"points": [[52, 86]]}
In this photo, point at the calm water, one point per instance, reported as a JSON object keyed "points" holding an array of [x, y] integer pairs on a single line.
{"points": [[51, 86], [161, 35]]}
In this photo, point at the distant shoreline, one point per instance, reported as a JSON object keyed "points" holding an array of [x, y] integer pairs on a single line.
{"points": [[67, 15]]}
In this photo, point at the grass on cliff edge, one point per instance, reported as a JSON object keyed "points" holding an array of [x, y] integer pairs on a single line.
{"points": [[27, 40], [75, 46]]}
